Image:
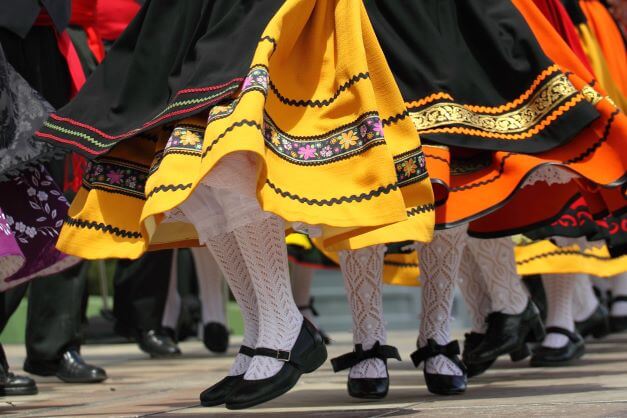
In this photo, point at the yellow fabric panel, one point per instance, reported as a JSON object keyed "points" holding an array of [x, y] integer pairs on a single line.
{"points": [[544, 257], [600, 68]]}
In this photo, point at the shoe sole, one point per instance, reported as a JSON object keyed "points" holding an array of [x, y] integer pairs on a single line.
{"points": [[570, 362], [317, 357], [99, 380], [18, 392]]}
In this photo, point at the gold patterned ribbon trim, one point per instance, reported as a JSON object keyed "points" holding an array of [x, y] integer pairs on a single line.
{"points": [[543, 102]]}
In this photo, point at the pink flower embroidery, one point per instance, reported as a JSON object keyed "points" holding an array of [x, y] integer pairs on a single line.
{"points": [[378, 128], [307, 152], [115, 177]]}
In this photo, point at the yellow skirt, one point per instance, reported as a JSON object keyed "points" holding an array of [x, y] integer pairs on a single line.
{"points": [[544, 257], [320, 109]]}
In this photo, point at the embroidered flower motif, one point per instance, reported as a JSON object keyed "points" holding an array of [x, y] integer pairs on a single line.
{"points": [[115, 176], [189, 138], [410, 167], [43, 196], [20, 227], [31, 191], [378, 128], [307, 152], [31, 232], [326, 151], [348, 139], [274, 137]]}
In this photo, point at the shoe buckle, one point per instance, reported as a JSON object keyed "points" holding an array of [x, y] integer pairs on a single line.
{"points": [[285, 356]]}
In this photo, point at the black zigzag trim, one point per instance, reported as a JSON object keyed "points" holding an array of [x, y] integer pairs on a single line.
{"points": [[430, 207], [271, 40], [593, 147], [168, 188], [335, 200], [243, 122], [318, 103], [395, 118], [561, 252], [484, 182], [98, 226], [436, 157]]}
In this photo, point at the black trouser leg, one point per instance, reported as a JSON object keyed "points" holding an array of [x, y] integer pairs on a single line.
{"points": [[55, 315], [141, 288]]}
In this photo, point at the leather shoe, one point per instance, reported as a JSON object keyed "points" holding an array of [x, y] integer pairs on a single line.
{"points": [[157, 343], [215, 336], [70, 369], [472, 341], [508, 334], [562, 356], [618, 323], [12, 385], [442, 384], [367, 388], [307, 354], [597, 324], [216, 394]]}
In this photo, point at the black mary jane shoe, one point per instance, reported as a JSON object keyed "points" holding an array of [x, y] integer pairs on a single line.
{"points": [[442, 384], [618, 323], [216, 394], [366, 388], [314, 312], [509, 334], [597, 324], [215, 336], [307, 354], [472, 341], [562, 356]]}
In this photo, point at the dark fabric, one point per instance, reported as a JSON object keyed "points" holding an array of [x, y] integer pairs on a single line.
{"points": [[186, 44], [140, 292], [465, 49], [574, 11], [79, 40], [54, 319], [18, 16], [38, 60]]}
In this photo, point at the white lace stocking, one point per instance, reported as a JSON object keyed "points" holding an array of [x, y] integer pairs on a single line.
{"points": [[302, 277], [497, 262], [619, 288], [264, 250], [473, 288], [559, 289], [439, 267], [210, 287], [227, 254], [363, 272], [585, 301]]}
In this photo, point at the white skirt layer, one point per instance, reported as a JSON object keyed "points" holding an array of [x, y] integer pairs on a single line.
{"points": [[550, 174], [225, 200]]}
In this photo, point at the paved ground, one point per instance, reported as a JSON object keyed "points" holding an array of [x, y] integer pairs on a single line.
{"points": [[596, 387]]}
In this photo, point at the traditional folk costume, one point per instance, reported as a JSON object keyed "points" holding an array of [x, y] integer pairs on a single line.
{"points": [[271, 131]]}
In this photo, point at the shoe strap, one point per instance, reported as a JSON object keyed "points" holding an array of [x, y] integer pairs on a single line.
{"points": [[619, 298], [433, 349], [281, 355], [558, 330], [353, 358], [309, 306], [247, 351]]}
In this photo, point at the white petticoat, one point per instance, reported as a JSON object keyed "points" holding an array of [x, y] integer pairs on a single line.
{"points": [[550, 174], [225, 200]]}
